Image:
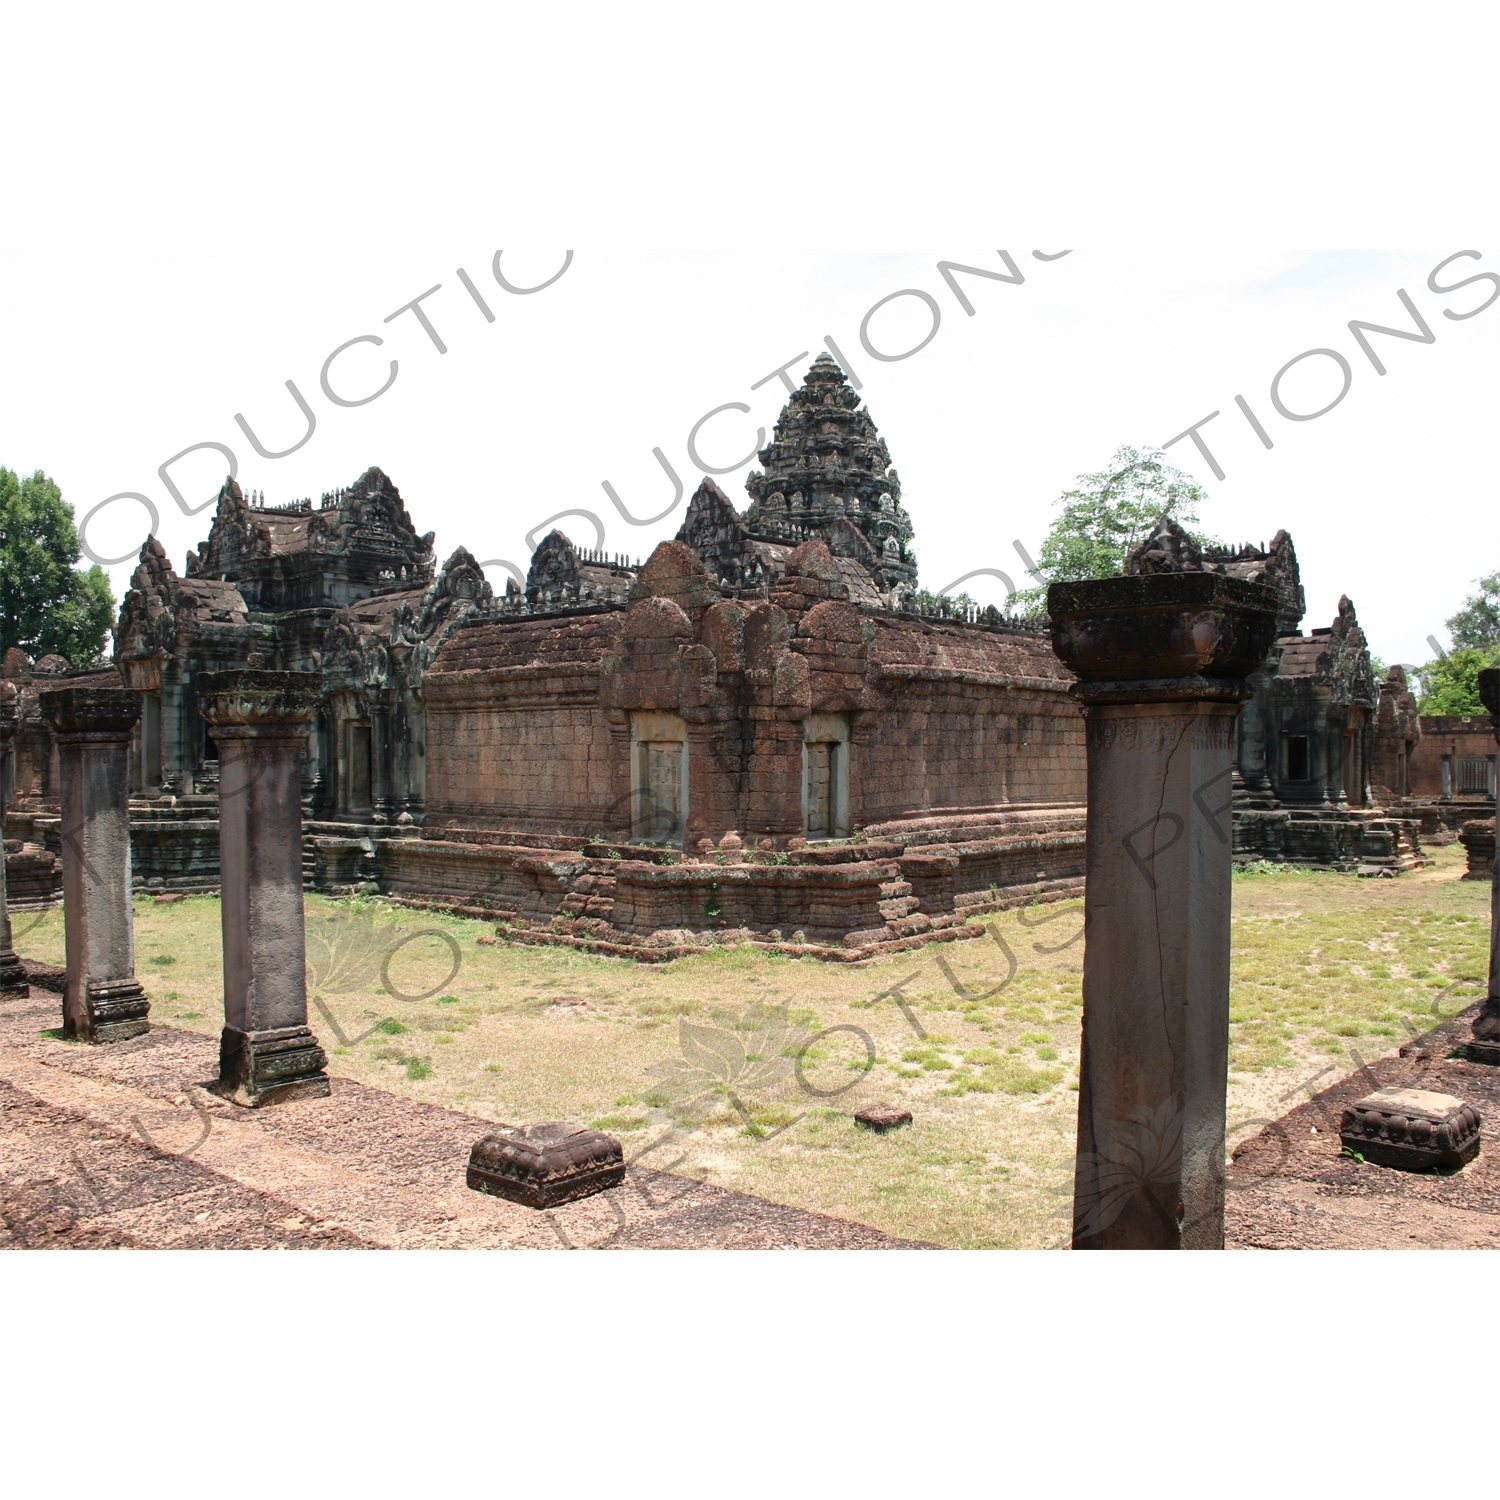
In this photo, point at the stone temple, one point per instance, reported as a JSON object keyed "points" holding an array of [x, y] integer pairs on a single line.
{"points": [[758, 734]]}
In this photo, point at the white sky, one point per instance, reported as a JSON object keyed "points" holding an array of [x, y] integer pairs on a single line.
{"points": [[199, 218]]}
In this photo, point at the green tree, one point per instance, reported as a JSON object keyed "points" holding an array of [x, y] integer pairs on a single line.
{"points": [[1450, 685], [47, 604], [1478, 622], [1106, 514]]}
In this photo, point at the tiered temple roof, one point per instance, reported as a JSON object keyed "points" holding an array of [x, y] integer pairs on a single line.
{"points": [[827, 463]]}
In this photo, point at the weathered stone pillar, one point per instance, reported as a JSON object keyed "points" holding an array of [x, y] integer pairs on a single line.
{"points": [[1485, 1046], [260, 721], [12, 975], [380, 762], [1162, 659], [92, 729]]}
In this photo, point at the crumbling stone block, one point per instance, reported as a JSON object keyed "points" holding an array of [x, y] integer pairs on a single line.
{"points": [[542, 1166], [883, 1117], [1411, 1129]]}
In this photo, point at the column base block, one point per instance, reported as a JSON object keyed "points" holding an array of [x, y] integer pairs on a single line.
{"points": [[257, 1068], [114, 1011], [13, 985], [1484, 1045]]}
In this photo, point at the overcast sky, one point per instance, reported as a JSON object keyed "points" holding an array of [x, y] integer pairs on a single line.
{"points": [[199, 218], [114, 366]]}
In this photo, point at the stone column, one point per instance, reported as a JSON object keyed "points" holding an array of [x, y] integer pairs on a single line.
{"points": [[12, 975], [1162, 660], [92, 729], [380, 762], [1485, 1046], [260, 721]]}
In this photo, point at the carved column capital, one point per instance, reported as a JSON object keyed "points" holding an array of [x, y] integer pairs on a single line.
{"points": [[1163, 637], [248, 703], [81, 714]]}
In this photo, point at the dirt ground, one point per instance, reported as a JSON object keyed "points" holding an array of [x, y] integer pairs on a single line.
{"points": [[1290, 1188], [121, 1147], [693, 1064]]}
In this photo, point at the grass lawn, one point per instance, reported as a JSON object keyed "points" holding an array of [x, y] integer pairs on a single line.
{"points": [[692, 1063]]}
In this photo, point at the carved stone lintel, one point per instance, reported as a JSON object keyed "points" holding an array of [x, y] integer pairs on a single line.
{"points": [[271, 1067]]}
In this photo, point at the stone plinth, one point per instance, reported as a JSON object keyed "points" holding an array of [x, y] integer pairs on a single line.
{"points": [[1162, 660], [1478, 839], [1412, 1129], [12, 976], [103, 1001], [260, 722], [544, 1165]]}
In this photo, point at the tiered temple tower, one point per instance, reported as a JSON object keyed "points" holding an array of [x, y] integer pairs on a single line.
{"points": [[827, 462]]}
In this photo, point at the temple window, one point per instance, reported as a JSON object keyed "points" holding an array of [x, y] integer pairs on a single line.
{"points": [[1474, 774]]}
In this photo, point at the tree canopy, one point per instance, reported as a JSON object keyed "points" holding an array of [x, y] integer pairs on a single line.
{"points": [[1477, 623], [1450, 685], [1106, 514], [46, 603]]}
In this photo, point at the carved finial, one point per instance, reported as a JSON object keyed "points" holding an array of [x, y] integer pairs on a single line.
{"points": [[1169, 550]]}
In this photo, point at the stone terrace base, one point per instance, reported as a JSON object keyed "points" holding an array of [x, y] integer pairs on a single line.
{"points": [[844, 901], [363, 1169], [1367, 840]]}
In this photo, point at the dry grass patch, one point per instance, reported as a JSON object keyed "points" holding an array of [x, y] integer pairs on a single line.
{"points": [[746, 1068]]}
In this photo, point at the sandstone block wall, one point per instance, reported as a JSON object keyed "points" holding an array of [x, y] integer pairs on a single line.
{"points": [[824, 903], [1450, 735]]}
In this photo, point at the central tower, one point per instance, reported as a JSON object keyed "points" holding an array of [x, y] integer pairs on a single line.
{"points": [[825, 462]]}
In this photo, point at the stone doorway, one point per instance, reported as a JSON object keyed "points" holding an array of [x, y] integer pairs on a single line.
{"points": [[357, 768], [825, 777], [822, 769], [658, 777], [145, 751]]}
